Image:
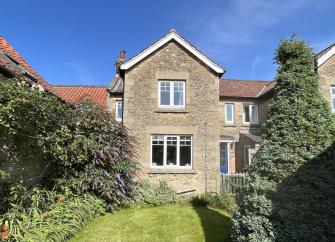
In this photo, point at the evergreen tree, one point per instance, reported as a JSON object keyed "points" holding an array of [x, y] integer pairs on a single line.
{"points": [[299, 127]]}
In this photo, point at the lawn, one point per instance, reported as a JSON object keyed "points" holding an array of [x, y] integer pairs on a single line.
{"points": [[167, 223]]}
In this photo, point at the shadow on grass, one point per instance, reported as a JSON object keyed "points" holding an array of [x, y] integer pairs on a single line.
{"points": [[216, 226]]}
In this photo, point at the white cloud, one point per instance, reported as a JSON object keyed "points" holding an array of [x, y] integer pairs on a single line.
{"points": [[226, 25]]}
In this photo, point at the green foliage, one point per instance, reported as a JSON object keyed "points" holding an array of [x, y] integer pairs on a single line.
{"points": [[146, 193], [299, 127], [82, 146], [37, 217], [222, 201], [4, 190]]}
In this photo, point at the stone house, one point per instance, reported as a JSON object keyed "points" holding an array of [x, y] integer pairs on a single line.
{"points": [[191, 124]]}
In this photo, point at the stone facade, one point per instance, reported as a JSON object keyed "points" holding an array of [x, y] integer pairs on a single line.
{"points": [[199, 118], [203, 116], [327, 78], [236, 161]]}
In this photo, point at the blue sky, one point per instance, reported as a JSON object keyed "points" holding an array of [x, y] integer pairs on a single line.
{"points": [[76, 42]]}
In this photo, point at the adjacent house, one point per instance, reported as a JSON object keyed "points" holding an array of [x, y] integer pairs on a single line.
{"points": [[191, 123]]}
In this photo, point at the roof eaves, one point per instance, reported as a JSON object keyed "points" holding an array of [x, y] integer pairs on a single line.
{"points": [[165, 39]]}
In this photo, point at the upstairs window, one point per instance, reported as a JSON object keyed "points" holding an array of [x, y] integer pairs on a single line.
{"points": [[171, 94], [333, 98], [250, 113], [229, 113], [171, 151], [118, 110]]}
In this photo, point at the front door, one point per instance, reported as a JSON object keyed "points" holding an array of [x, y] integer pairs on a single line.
{"points": [[224, 157]]}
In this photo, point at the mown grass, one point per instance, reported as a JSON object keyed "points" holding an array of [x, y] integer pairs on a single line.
{"points": [[166, 223]]}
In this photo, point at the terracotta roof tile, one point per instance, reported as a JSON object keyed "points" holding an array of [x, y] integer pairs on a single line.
{"points": [[73, 94], [245, 88], [9, 50]]}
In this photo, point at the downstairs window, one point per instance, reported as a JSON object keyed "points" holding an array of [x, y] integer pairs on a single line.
{"points": [[171, 151]]}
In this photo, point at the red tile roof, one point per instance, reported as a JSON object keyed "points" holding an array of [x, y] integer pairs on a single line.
{"points": [[73, 94], [245, 88], [9, 50]]}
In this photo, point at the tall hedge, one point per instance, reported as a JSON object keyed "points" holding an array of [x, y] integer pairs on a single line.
{"points": [[45, 141], [299, 128]]}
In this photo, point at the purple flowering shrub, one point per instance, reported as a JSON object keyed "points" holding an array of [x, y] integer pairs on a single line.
{"points": [[100, 155]]}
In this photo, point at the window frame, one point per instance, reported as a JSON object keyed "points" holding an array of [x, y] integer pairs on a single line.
{"points": [[250, 113], [165, 165], [118, 119], [332, 97], [233, 113], [172, 84], [246, 161]]}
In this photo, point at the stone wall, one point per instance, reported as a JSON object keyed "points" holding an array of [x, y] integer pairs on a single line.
{"points": [[327, 78], [200, 118], [233, 130]]}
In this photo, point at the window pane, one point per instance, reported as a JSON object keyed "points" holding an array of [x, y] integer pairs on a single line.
{"points": [[185, 155], [229, 112], [119, 110], [254, 118], [165, 93], [333, 90], [224, 157], [246, 156], [171, 151], [157, 155], [246, 114], [185, 150], [178, 91]]}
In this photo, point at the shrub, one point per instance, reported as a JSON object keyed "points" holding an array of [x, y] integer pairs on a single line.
{"points": [[223, 201], [4, 191], [80, 144], [146, 193], [41, 215], [299, 127]]}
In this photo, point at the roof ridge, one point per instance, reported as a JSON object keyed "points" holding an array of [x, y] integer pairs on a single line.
{"points": [[85, 86], [234, 79]]}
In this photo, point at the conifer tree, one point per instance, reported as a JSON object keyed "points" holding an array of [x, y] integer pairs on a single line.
{"points": [[298, 128]]}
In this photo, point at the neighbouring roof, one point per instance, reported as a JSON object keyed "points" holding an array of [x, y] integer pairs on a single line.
{"points": [[74, 94], [11, 60], [116, 87], [173, 35], [325, 55], [245, 88]]}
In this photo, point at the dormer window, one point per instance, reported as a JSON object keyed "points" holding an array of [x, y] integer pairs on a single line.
{"points": [[171, 94]]}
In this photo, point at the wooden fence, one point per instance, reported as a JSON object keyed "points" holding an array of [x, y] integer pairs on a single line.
{"points": [[232, 183]]}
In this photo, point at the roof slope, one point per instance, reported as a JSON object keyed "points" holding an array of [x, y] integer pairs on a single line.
{"points": [[13, 54], [74, 94], [173, 35], [245, 88], [325, 55]]}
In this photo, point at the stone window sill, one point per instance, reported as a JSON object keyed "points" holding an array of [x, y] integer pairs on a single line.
{"points": [[251, 125], [170, 171], [230, 125], [168, 110]]}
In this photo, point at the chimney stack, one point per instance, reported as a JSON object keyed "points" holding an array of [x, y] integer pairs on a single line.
{"points": [[122, 54], [120, 61]]}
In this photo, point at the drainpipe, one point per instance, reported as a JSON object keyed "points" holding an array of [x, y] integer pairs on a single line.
{"points": [[206, 175]]}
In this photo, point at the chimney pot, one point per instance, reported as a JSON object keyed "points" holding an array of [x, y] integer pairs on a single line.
{"points": [[122, 54]]}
